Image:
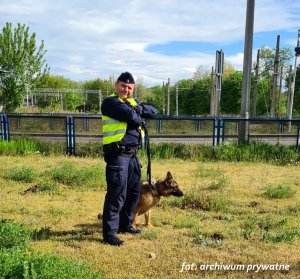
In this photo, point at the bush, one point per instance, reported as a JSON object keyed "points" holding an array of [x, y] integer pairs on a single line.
{"points": [[195, 199], [71, 175], [13, 235], [279, 192], [256, 152], [24, 174], [15, 265], [285, 236], [19, 146]]}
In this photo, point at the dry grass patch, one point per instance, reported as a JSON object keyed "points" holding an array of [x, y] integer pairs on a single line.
{"points": [[251, 229]]}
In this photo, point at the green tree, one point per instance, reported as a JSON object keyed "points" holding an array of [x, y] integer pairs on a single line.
{"points": [[66, 99], [20, 55], [195, 98], [263, 97], [92, 100], [231, 93], [296, 102]]}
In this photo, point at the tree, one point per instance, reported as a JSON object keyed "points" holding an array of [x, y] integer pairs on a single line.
{"points": [[93, 100], [296, 108], [231, 93], [20, 55], [195, 99]]}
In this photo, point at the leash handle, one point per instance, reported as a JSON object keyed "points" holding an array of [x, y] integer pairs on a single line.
{"points": [[147, 145]]}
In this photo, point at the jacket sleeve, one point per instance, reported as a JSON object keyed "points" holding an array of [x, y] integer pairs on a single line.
{"points": [[116, 109], [147, 110]]}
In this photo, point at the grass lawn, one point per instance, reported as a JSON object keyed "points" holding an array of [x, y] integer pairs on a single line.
{"points": [[244, 215]]}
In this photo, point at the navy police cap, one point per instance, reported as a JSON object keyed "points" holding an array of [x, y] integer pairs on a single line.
{"points": [[126, 77]]}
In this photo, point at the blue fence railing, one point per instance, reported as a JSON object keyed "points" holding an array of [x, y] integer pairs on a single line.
{"points": [[4, 127], [215, 130]]}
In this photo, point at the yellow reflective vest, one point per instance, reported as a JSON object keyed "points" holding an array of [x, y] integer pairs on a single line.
{"points": [[113, 129]]}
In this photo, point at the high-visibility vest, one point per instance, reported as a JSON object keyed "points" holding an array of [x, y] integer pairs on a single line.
{"points": [[113, 129]]}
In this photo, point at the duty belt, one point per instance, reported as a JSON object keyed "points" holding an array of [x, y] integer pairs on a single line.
{"points": [[118, 149]]}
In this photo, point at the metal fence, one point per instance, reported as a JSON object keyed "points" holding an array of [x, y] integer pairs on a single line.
{"points": [[73, 128]]}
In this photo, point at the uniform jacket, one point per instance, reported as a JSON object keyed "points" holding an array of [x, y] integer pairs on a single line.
{"points": [[122, 111]]}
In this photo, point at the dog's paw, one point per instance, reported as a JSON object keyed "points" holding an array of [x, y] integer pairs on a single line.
{"points": [[149, 225]]}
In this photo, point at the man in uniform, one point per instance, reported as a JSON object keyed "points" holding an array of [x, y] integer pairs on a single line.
{"points": [[122, 135]]}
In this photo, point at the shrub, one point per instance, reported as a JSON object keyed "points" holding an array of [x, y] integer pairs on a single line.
{"points": [[71, 175], [195, 199], [14, 264], [13, 235], [286, 236], [279, 192], [248, 227], [149, 234], [217, 185], [256, 152], [47, 186], [19, 147], [25, 174]]}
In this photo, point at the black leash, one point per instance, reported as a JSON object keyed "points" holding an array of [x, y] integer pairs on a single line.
{"points": [[147, 146]]}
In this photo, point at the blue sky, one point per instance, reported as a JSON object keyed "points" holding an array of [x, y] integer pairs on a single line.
{"points": [[155, 40]]}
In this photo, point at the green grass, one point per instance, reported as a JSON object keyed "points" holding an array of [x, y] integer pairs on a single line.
{"points": [[149, 234], [78, 177], [279, 192], [13, 235], [284, 236], [24, 173], [235, 223], [15, 264], [230, 151], [195, 198]]}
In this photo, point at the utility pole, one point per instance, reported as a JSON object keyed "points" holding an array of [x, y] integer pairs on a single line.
{"points": [[291, 100], [100, 99], [168, 99], [275, 79], [164, 98], [244, 125], [279, 91], [219, 72], [177, 99], [289, 88], [255, 85], [212, 94]]}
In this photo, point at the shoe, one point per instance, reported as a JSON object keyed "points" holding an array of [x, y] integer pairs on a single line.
{"points": [[113, 240], [130, 230]]}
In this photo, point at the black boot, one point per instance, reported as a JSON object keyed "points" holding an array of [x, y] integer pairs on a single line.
{"points": [[113, 240]]}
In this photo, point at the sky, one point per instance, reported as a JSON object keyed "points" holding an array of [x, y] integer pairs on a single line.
{"points": [[154, 40]]}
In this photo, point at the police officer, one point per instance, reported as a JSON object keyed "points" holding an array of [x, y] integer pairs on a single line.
{"points": [[122, 135]]}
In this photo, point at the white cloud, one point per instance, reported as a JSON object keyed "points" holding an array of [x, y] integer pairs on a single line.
{"points": [[84, 38]]}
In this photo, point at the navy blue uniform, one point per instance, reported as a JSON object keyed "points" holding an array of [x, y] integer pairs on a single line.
{"points": [[123, 169]]}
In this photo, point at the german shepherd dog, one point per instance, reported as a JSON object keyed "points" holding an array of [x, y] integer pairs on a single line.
{"points": [[150, 196]]}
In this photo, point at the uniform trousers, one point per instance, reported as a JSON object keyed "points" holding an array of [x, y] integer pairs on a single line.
{"points": [[123, 178]]}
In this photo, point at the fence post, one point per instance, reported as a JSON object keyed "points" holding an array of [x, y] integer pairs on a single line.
{"points": [[51, 123], [197, 124], [70, 133], [223, 129], [158, 125], [85, 123], [214, 132], [4, 128], [218, 131]]}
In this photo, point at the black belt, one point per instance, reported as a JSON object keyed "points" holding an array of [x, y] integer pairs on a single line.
{"points": [[116, 148]]}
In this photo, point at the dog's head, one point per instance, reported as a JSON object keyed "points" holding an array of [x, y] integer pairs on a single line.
{"points": [[168, 187]]}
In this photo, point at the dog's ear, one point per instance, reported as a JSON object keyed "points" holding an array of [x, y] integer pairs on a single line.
{"points": [[169, 176]]}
